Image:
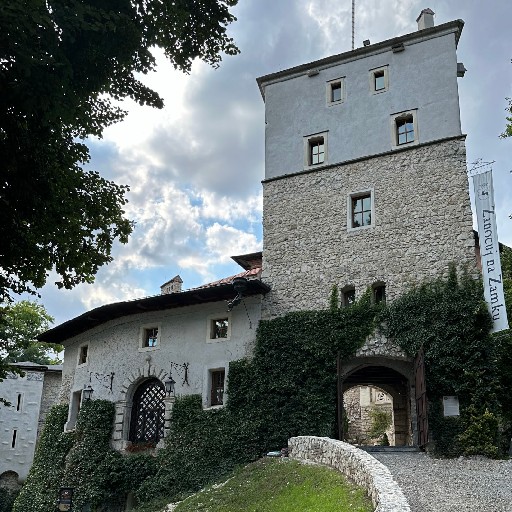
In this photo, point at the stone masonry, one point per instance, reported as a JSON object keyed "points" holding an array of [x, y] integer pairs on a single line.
{"points": [[422, 222]]}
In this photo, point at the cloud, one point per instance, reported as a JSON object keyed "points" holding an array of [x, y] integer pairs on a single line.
{"points": [[224, 241]]}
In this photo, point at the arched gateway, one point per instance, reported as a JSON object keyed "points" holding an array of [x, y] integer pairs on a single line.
{"points": [[396, 379]]}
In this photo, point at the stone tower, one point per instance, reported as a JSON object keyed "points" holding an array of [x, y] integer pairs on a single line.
{"points": [[365, 185]]}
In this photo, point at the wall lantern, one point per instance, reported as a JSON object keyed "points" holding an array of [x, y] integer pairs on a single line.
{"points": [[65, 499], [240, 286], [87, 392], [169, 385]]}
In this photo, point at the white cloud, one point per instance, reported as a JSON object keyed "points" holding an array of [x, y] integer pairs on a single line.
{"points": [[224, 241]]}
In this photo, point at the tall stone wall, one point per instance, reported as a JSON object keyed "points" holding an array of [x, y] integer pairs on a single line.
{"points": [[422, 222]]}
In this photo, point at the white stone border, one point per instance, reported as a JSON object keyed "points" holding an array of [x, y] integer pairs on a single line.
{"points": [[357, 465]]}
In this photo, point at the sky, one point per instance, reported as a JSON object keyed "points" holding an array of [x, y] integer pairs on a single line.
{"points": [[195, 167]]}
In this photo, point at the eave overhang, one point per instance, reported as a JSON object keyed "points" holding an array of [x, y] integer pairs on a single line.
{"points": [[102, 314]]}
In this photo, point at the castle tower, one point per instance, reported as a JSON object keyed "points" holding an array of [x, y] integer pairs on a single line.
{"points": [[365, 180]]}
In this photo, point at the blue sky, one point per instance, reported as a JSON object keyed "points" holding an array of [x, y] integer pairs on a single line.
{"points": [[195, 167]]}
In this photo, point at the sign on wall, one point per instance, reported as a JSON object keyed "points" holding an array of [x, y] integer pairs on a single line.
{"points": [[489, 250]]}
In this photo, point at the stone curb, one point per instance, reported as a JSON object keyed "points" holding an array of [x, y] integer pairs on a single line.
{"points": [[357, 465]]}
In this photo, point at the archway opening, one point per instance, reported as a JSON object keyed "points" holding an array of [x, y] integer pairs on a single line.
{"points": [[148, 412], [373, 392]]}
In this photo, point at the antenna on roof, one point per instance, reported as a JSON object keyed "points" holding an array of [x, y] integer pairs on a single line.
{"points": [[353, 21]]}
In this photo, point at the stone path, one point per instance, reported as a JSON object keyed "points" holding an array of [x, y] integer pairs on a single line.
{"points": [[451, 485]]}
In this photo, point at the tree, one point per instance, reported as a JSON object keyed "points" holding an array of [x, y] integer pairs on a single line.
{"points": [[508, 127], [62, 63], [20, 325]]}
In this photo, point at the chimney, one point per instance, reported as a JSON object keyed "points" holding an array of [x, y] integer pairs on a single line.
{"points": [[172, 286], [425, 19]]}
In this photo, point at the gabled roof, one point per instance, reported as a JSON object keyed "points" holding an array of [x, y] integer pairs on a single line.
{"points": [[221, 290]]}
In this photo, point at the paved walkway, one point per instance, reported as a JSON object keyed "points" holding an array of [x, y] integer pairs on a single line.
{"points": [[451, 485]]}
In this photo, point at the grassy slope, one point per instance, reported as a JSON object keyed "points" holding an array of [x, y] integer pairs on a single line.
{"points": [[280, 485]]}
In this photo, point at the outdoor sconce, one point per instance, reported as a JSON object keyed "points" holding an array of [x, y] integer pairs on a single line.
{"points": [[65, 499], [87, 392], [240, 286], [169, 385]]}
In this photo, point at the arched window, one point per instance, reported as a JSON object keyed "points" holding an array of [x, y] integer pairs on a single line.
{"points": [[148, 412]]}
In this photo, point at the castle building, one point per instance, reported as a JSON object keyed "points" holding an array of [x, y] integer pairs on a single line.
{"points": [[366, 186]]}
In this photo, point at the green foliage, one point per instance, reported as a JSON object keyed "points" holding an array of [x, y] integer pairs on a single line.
{"points": [[62, 63], [20, 324], [334, 299], [47, 472], [281, 485], [288, 388], [508, 127], [7, 498], [380, 422], [481, 434]]}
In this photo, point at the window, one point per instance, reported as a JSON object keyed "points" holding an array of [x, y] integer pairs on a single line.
{"points": [[404, 128], [151, 337], [148, 413], [315, 150], [348, 296], [335, 91], [218, 328], [14, 435], [379, 80], [379, 293], [360, 210], [82, 355], [217, 387]]}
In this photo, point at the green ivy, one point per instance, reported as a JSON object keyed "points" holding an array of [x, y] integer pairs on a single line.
{"points": [[44, 478], [7, 498]]}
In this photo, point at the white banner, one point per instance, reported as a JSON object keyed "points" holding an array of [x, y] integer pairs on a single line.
{"points": [[489, 250]]}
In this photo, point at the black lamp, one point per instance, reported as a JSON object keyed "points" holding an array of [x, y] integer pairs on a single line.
{"points": [[169, 385], [65, 499], [87, 392]]}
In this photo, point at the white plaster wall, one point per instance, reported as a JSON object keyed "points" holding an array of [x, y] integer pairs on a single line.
{"points": [[114, 347], [422, 77], [25, 421]]}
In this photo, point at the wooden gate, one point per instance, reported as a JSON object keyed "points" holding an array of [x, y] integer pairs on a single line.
{"points": [[421, 398]]}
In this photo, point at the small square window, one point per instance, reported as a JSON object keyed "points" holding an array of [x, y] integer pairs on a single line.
{"points": [[150, 337], [219, 328], [404, 127], [360, 213], [82, 356], [316, 151], [335, 91], [348, 296], [405, 130], [217, 387], [379, 80]]}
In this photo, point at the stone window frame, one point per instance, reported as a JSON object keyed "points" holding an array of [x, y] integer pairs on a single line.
{"points": [[379, 292], [308, 142], [355, 195], [143, 330], [75, 404], [380, 71], [210, 320], [83, 355], [208, 389], [329, 91], [400, 116], [346, 294]]}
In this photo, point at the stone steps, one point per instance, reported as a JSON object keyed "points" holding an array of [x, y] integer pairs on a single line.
{"points": [[389, 449]]}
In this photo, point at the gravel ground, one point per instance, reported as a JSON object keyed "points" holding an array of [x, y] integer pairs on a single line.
{"points": [[451, 485]]}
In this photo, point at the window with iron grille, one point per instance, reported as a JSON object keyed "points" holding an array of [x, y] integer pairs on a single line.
{"points": [[148, 412], [217, 387], [151, 337]]}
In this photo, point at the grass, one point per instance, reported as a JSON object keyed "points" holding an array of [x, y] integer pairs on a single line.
{"points": [[280, 485]]}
